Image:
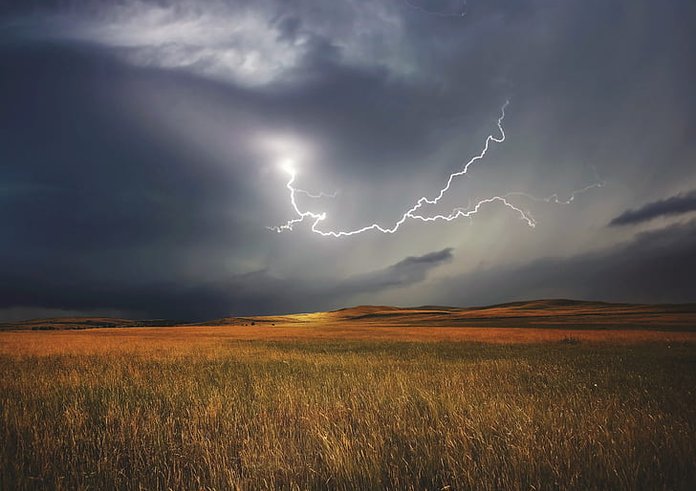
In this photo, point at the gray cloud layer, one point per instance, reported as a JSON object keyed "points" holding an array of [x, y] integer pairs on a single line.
{"points": [[245, 294], [140, 145], [656, 266], [406, 272], [674, 205]]}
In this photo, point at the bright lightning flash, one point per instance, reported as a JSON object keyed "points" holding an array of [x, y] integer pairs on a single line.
{"points": [[413, 212]]}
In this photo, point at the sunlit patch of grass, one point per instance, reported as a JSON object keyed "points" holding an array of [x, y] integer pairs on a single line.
{"points": [[350, 415]]}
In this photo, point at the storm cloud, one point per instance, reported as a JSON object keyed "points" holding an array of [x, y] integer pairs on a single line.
{"points": [[655, 266], [141, 145], [251, 293], [674, 205], [406, 272]]}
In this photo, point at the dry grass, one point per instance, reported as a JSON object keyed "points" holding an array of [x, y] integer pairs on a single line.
{"points": [[164, 339], [264, 408]]}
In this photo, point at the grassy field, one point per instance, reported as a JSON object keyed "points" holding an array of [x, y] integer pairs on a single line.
{"points": [[227, 408]]}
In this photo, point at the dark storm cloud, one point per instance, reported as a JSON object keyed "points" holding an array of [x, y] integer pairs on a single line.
{"points": [[406, 272], [94, 201], [81, 175], [257, 292], [241, 294], [656, 266], [130, 179], [674, 205]]}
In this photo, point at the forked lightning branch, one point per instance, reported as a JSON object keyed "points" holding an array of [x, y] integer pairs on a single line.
{"points": [[414, 213]]}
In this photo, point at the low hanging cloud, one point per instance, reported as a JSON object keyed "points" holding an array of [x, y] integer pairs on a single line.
{"points": [[655, 266], [408, 271], [258, 292], [674, 205]]}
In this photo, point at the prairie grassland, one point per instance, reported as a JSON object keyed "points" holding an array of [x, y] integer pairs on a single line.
{"points": [[151, 409], [164, 339]]}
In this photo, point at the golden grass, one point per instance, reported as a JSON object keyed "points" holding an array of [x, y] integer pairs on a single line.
{"points": [[308, 408], [162, 339]]}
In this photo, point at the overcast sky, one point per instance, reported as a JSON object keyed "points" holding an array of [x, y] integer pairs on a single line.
{"points": [[145, 147]]}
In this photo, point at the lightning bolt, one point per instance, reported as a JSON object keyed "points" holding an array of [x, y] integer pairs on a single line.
{"points": [[555, 199], [413, 213], [316, 195], [317, 218]]}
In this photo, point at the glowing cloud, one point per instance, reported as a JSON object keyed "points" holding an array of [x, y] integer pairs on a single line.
{"points": [[412, 213], [317, 217]]}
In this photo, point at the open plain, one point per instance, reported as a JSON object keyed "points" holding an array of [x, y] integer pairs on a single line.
{"points": [[531, 395]]}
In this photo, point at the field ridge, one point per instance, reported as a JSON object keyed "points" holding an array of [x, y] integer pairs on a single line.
{"points": [[547, 313]]}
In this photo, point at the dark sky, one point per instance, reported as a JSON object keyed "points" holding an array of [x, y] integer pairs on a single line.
{"points": [[144, 149]]}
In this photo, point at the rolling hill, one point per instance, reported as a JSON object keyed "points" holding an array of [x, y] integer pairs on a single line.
{"points": [[562, 314], [536, 313]]}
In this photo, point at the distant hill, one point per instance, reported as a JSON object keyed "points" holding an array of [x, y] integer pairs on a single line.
{"points": [[554, 313]]}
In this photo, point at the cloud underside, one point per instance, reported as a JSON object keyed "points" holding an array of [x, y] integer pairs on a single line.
{"points": [[656, 266], [674, 205], [252, 293]]}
